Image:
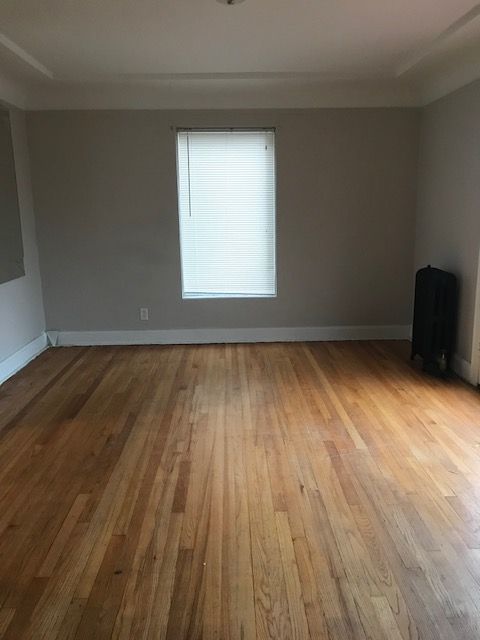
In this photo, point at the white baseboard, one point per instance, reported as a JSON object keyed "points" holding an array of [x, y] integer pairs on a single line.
{"points": [[463, 369], [22, 357], [222, 336]]}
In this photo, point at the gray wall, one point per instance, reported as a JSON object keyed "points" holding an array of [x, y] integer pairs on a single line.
{"points": [[106, 205], [448, 218], [21, 307]]}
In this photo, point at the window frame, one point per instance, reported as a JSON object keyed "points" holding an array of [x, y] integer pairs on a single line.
{"points": [[224, 296]]}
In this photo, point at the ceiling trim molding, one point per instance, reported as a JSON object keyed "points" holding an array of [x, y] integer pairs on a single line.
{"points": [[12, 93], [226, 94], [24, 56], [432, 47], [398, 87], [448, 81], [284, 76]]}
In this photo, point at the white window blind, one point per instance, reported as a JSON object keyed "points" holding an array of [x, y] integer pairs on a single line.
{"points": [[226, 190]]}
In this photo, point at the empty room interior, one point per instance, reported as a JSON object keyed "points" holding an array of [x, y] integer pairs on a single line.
{"points": [[239, 320]]}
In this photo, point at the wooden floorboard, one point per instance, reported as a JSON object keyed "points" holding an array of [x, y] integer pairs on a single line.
{"points": [[318, 490]]}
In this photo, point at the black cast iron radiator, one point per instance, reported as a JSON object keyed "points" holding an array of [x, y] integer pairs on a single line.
{"points": [[434, 318]]}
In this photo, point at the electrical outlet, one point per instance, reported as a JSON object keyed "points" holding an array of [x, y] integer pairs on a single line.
{"points": [[143, 313]]}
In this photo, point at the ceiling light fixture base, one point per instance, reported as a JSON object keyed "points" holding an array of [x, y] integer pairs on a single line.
{"points": [[230, 3]]}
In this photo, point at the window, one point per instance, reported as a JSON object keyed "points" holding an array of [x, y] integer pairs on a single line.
{"points": [[226, 192]]}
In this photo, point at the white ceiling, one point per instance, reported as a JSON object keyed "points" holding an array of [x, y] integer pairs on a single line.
{"points": [[62, 52]]}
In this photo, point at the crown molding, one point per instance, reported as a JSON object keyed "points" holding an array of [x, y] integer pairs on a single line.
{"points": [[414, 83], [225, 93], [252, 76], [441, 84], [24, 56], [422, 54], [12, 93]]}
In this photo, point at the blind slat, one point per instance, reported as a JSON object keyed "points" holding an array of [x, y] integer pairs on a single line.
{"points": [[226, 190]]}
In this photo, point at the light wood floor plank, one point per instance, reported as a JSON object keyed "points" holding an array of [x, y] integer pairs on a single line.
{"points": [[323, 491]]}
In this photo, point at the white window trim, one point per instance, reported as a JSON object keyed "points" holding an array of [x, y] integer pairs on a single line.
{"points": [[227, 296]]}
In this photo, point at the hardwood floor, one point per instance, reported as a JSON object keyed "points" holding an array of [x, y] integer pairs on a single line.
{"points": [[321, 490]]}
